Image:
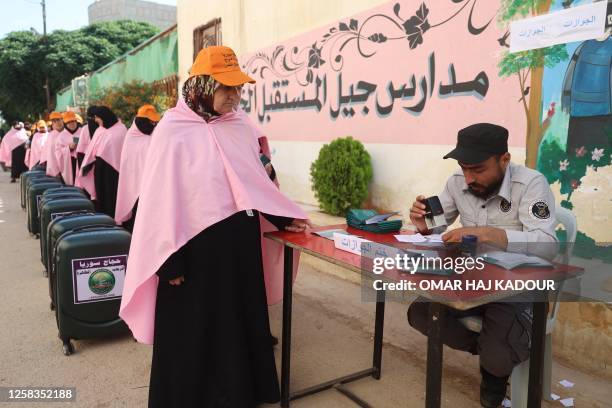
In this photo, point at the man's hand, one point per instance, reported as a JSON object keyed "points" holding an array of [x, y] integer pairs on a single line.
{"points": [[299, 225], [72, 146], [489, 235], [177, 281], [417, 215]]}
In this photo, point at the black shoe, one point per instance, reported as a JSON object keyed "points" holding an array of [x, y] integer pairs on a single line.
{"points": [[274, 340], [13, 181], [492, 389]]}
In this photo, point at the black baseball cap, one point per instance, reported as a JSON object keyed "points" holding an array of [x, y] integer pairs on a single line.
{"points": [[478, 142]]}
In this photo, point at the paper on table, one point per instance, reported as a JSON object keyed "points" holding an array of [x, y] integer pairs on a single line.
{"points": [[419, 238], [510, 260], [554, 397], [329, 234], [566, 383], [568, 402]]}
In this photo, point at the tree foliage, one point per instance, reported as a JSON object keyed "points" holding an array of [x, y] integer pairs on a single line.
{"points": [[513, 63], [511, 9], [125, 100], [27, 58]]}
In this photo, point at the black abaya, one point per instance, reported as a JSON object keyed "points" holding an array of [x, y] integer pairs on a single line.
{"points": [[212, 346], [129, 224], [18, 165], [106, 180]]}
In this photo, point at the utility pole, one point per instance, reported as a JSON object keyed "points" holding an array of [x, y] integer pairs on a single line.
{"points": [[46, 86]]}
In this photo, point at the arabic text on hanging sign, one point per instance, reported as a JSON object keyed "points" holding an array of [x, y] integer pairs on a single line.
{"points": [[579, 23]]}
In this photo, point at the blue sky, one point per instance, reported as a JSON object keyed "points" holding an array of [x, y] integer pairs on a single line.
{"points": [[61, 14]]}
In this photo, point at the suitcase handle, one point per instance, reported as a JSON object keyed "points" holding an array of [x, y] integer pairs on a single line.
{"points": [[44, 200], [75, 213], [63, 195], [79, 229], [95, 226]]}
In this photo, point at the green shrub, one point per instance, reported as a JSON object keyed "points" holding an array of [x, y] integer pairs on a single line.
{"points": [[341, 175]]}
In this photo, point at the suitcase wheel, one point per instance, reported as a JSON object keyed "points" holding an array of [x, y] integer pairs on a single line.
{"points": [[67, 348]]}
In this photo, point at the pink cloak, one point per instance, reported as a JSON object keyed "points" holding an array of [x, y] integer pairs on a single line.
{"points": [[133, 155], [107, 145], [64, 155], [48, 155], [197, 174], [13, 138], [36, 148]]}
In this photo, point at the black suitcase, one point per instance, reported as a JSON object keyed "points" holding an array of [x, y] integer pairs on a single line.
{"points": [[58, 227], [38, 178], [52, 193], [35, 192], [28, 182], [22, 183], [64, 189], [54, 206], [89, 266]]}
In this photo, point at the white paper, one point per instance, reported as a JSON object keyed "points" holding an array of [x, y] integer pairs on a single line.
{"points": [[418, 238], [566, 383], [578, 23], [506, 403], [510, 260], [98, 279], [554, 397], [568, 402]]}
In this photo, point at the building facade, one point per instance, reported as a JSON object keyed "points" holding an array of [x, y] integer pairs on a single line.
{"points": [[403, 76], [160, 15]]}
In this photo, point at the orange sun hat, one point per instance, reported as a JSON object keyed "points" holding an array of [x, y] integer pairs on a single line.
{"points": [[55, 115], [149, 112], [69, 116], [222, 64]]}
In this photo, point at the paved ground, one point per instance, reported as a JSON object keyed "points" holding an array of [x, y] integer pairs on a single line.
{"points": [[332, 337]]}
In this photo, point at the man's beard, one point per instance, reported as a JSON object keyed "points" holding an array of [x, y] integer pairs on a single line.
{"points": [[487, 191]]}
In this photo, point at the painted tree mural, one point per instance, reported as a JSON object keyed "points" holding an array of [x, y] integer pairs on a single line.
{"points": [[528, 66]]}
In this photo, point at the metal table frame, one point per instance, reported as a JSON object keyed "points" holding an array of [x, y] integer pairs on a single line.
{"points": [[374, 371]]}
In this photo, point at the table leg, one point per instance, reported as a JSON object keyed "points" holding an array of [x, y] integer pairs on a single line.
{"points": [[378, 334], [536, 358], [287, 305], [433, 387]]}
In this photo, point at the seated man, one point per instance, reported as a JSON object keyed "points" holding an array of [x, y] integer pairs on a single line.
{"points": [[506, 205]]}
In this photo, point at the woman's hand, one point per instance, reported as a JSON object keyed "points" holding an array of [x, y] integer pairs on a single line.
{"points": [[177, 281], [299, 225]]}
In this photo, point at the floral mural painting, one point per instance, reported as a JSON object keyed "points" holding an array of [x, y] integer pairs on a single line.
{"points": [[575, 153], [301, 62]]}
